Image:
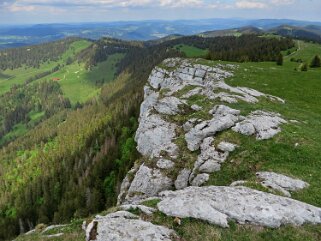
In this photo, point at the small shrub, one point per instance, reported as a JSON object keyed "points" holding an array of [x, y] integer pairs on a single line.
{"points": [[304, 67]]}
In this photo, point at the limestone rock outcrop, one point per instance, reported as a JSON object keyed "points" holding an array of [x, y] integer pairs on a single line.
{"points": [[168, 98], [281, 183], [244, 205], [264, 125], [185, 110]]}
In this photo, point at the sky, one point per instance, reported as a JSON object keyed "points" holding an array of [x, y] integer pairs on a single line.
{"points": [[67, 11]]}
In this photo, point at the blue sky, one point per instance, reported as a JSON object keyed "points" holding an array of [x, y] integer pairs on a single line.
{"points": [[45, 11]]}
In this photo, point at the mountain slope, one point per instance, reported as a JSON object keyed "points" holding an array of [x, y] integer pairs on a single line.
{"points": [[72, 164]]}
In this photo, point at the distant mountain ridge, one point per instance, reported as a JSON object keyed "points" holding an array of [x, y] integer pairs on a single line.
{"points": [[310, 32], [14, 36]]}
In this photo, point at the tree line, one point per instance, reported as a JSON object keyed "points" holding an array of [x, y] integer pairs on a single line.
{"points": [[33, 56]]}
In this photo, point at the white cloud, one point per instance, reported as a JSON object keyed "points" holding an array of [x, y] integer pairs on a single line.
{"points": [[30, 5], [181, 3], [19, 8], [250, 5]]}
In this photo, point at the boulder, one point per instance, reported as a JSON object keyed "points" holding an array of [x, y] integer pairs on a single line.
{"points": [[148, 182], [210, 166], [226, 146], [200, 179], [217, 205], [124, 226], [263, 124], [208, 128], [155, 135], [281, 182], [182, 179]]}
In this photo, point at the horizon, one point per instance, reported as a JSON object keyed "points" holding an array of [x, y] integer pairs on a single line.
{"points": [[158, 20], [26, 12]]}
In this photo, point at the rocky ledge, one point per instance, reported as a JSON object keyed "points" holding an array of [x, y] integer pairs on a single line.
{"points": [[171, 115], [186, 105]]}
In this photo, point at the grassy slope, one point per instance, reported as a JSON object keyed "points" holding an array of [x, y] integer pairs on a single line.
{"points": [[9, 77], [78, 84], [301, 90]]}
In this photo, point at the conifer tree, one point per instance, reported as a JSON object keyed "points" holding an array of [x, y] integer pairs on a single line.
{"points": [[316, 62], [279, 60]]}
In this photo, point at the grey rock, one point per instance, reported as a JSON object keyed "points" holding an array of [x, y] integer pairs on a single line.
{"points": [[285, 182], [157, 77], [53, 227], [200, 73], [54, 235], [148, 182], [217, 205], [168, 105], [200, 179], [182, 179], [165, 164], [195, 91], [223, 110], [209, 160], [238, 183], [126, 184], [196, 107], [188, 125], [274, 187], [263, 124], [210, 166], [150, 100], [208, 128], [155, 135], [226, 146], [127, 227]]}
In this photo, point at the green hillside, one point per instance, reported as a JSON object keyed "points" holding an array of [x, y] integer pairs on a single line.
{"points": [[79, 84], [10, 77]]}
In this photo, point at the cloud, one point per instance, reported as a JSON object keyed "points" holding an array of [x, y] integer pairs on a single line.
{"points": [[32, 5], [18, 8], [181, 3], [250, 5]]}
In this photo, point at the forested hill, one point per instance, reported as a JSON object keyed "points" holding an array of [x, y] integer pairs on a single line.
{"points": [[69, 119]]}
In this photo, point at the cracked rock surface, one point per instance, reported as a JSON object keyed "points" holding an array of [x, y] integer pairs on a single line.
{"points": [[244, 205], [186, 106], [124, 226], [281, 183], [167, 98]]}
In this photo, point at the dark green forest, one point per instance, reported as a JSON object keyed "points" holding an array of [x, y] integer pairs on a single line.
{"points": [[33, 56], [72, 159]]}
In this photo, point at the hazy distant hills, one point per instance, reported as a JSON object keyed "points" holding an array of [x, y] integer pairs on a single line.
{"points": [[13, 36], [310, 32]]}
